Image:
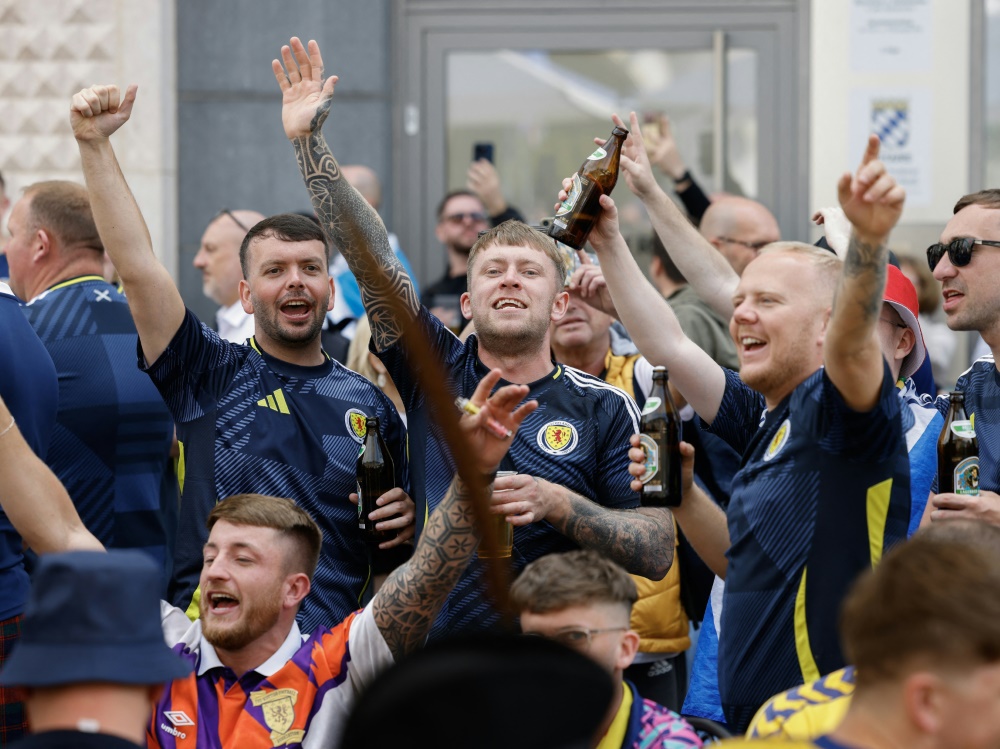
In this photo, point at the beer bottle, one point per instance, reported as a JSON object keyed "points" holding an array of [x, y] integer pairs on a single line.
{"points": [[660, 440], [375, 477], [579, 212], [958, 451]]}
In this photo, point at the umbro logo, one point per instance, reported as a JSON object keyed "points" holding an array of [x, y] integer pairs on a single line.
{"points": [[275, 401], [178, 717]]}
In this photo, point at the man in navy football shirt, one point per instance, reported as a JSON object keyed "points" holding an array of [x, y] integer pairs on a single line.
{"points": [[571, 454], [967, 263], [275, 417], [824, 482], [111, 443]]}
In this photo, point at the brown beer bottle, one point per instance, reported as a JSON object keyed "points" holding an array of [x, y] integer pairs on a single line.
{"points": [[958, 451], [660, 439], [579, 212], [376, 476]]}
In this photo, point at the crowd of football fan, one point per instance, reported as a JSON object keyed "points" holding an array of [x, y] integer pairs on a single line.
{"points": [[180, 558]]}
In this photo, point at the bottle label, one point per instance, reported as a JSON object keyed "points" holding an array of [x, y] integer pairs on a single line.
{"points": [[652, 404], [600, 153], [652, 463], [963, 429], [967, 476], [574, 195]]}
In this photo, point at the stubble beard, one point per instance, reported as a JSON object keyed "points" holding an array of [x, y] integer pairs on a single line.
{"points": [[257, 619], [268, 318]]}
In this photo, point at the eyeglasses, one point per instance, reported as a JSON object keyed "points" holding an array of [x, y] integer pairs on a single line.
{"points": [[959, 251], [458, 218], [229, 213], [578, 638], [893, 323], [755, 246]]}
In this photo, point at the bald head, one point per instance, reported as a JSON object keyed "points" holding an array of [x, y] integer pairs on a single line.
{"points": [[365, 181], [218, 257], [738, 228]]}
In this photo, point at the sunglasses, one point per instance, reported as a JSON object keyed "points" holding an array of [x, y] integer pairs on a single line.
{"points": [[457, 218], [959, 251], [227, 212]]}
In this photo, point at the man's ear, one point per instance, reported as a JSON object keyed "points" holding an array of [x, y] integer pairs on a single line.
{"points": [[925, 701], [559, 306], [296, 588], [245, 297], [906, 344], [333, 294], [627, 649], [466, 301], [42, 246]]}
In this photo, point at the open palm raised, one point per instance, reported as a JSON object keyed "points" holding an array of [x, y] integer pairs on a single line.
{"points": [[305, 96]]}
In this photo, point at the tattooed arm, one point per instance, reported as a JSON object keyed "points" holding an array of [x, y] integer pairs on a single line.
{"points": [[349, 222], [406, 605], [873, 202], [641, 541]]}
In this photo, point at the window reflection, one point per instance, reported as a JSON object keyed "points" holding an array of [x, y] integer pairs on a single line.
{"points": [[542, 109]]}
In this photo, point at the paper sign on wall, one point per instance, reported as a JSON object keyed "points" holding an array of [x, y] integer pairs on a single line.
{"points": [[902, 120], [891, 36]]}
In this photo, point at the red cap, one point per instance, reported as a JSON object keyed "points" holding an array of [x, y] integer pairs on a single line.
{"points": [[899, 292]]}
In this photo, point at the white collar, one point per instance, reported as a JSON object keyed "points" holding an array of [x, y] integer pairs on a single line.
{"points": [[209, 659], [234, 314]]}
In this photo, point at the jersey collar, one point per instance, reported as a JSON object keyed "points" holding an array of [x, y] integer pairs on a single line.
{"points": [[209, 659]]}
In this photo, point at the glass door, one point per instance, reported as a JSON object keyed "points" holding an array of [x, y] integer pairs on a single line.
{"points": [[540, 97]]}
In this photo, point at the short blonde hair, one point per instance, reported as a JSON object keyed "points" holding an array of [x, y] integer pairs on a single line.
{"points": [[515, 233], [828, 266], [279, 513]]}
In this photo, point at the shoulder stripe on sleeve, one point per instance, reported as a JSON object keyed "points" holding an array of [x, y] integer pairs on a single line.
{"points": [[585, 380]]}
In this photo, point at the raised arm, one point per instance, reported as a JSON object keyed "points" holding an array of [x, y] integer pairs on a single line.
{"points": [[873, 202], [347, 218], [704, 267], [406, 605], [156, 305], [33, 498], [650, 321]]}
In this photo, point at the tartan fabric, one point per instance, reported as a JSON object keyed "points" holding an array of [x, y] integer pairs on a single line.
{"points": [[13, 721]]}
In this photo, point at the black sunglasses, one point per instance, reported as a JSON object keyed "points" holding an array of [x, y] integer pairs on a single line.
{"points": [[959, 251], [227, 212]]}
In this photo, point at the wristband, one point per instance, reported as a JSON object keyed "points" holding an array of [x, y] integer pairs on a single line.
{"points": [[686, 177]]}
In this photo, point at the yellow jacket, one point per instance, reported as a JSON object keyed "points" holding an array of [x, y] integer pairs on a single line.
{"points": [[658, 615]]}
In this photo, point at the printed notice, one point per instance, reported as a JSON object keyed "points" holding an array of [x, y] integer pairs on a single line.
{"points": [[902, 120], [891, 36]]}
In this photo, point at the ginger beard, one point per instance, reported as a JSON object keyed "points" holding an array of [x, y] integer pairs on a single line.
{"points": [[256, 617]]}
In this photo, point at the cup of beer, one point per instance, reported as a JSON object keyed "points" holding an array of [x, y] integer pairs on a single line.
{"points": [[502, 532]]}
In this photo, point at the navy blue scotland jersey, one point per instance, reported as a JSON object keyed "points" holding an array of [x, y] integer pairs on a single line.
{"points": [[821, 493], [249, 422], [577, 438], [29, 387], [111, 443]]}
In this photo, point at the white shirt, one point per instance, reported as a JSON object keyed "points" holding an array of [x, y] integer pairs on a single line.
{"points": [[233, 323]]}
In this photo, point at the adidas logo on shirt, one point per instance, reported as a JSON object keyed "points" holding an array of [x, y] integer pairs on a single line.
{"points": [[275, 401]]}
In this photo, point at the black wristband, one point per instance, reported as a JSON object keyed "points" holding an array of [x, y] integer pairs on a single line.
{"points": [[686, 177]]}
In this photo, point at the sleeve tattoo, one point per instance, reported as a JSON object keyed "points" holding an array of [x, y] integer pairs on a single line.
{"points": [[864, 270], [641, 541], [408, 602], [356, 229]]}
